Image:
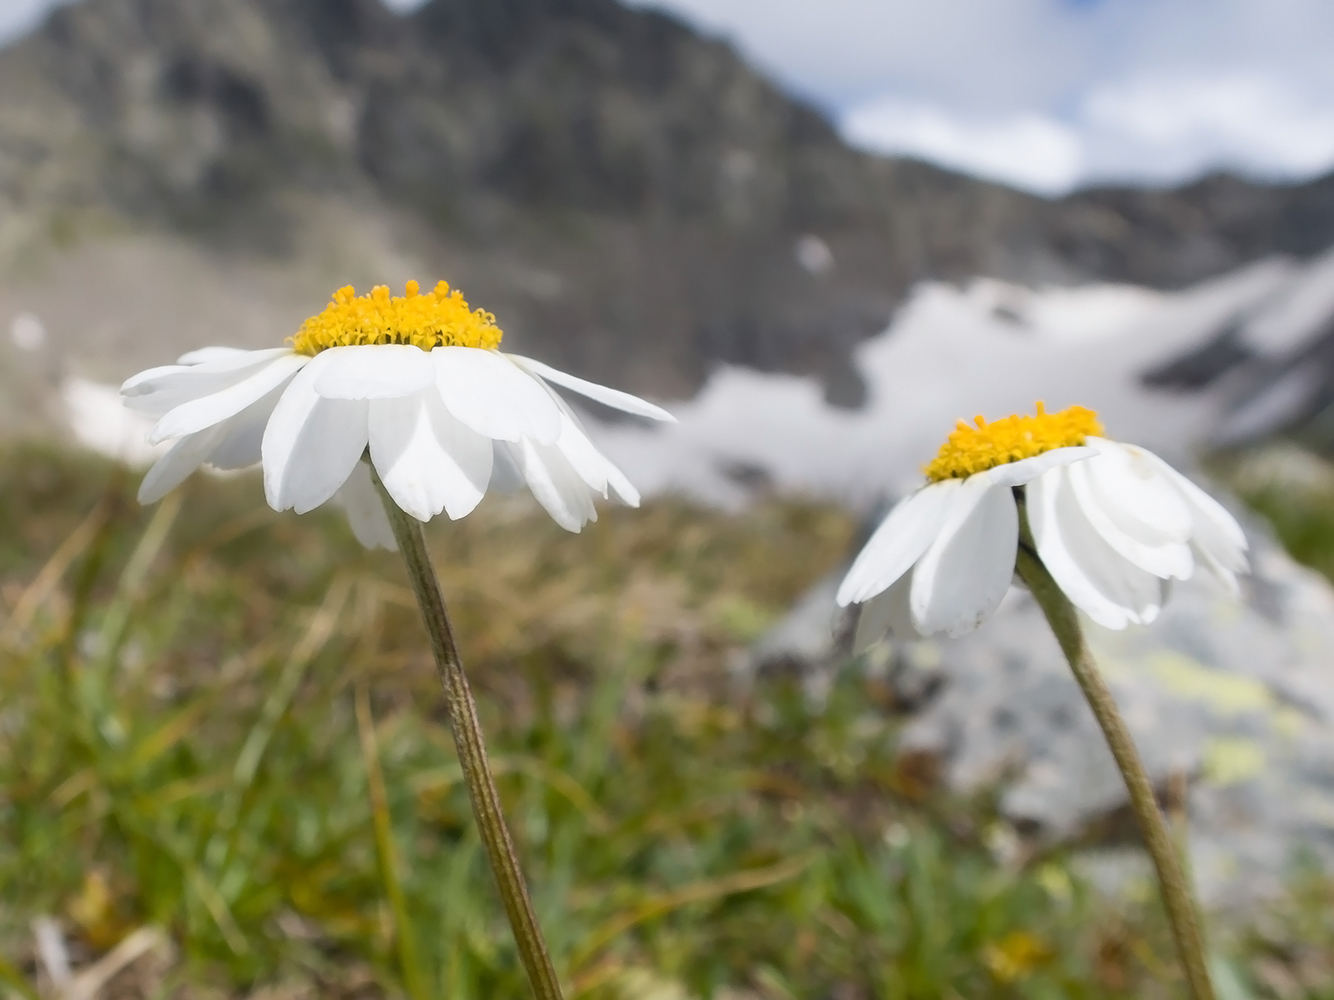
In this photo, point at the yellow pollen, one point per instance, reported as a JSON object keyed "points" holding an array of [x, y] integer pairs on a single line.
{"points": [[440, 318], [970, 450]]}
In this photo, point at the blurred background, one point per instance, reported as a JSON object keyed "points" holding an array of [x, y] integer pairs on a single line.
{"points": [[819, 234]]}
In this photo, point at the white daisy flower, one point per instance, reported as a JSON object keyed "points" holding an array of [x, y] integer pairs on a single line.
{"points": [[416, 383], [1113, 523]]}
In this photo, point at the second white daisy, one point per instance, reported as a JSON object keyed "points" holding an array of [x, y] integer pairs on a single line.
{"points": [[1112, 522]]}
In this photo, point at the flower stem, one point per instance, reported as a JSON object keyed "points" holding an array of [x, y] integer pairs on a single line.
{"points": [[471, 747], [1177, 896]]}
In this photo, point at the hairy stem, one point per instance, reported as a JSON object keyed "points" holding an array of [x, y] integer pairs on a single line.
{"points": [[471, 747], [1177, 896]]}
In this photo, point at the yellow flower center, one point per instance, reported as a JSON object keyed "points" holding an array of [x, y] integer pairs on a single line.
{"points": [[440, 318], [970, 450]]}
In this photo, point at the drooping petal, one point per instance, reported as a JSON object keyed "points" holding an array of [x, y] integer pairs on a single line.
{"points": [[1213, 529], [889, 612], [614, 398], [216, 407], [1107, 587], [365, 513], [157, 391], [1137, 495], [243, 434], [899, 542], [555, 484], [1165, 559], [311, 444], [620, 486], [506, 476], [963, 576], [427, 459], [375, 371], [494, 396], [181, 459]]}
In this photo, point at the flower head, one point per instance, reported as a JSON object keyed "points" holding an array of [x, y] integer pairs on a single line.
{"points": [[416, 383], [1112, 522]]}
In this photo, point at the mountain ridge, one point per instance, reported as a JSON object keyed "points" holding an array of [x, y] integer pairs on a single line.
{"points": [[658, 195]]}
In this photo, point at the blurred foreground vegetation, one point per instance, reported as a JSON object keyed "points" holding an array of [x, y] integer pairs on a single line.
{"points": [[224, 772]]}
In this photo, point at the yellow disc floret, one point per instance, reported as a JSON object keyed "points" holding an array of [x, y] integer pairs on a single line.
{"points": [[971, 450], [440, 318]]}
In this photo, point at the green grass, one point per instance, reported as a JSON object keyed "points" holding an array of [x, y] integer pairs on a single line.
{"points": [[196, 702]]}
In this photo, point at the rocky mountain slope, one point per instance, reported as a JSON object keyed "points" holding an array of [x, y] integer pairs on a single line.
{"points": [[627, 196]]}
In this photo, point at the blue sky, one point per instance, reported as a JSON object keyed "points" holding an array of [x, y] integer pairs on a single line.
{"points": [[1045, 94]]}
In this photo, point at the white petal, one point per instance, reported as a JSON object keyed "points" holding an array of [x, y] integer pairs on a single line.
{"points": [[1107, 587], [1221, 573], [218, 406], [365, 512], [555, 484], [426, 458], [243, 434], [1137, 494], [890, 612], [1027, 469], [582, 456], [1213, 529], [159, 390], [375, 371], [204, 355], [181, 459], [506, 476], [494, 396], [899, 542], [311, 444], [594, 468], [620, 486], [614, 398], [965, 573], [1161, 558]]}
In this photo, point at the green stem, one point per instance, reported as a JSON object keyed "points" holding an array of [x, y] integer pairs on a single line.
{"points": [[471, 747], [1177, 896]]}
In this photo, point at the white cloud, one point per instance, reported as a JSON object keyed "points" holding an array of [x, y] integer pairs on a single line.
{"points": [[1155, 129], [1027, 150], [1164, 128]]}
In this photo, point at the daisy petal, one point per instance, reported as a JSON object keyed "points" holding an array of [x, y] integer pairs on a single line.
{"points": [[184, 382], [555, 484], [175, 467], [965, 573], [1137, 495], [614, 398], [899, 542], [375, 371], [311, 444], [620, 486], [494, 396], [427, 459], [239, 447], [889, 612], [1213, 529], [216, 407], [365, 512], [1027, 469], [506, 476], [1098, 580], [1161, 558]]}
